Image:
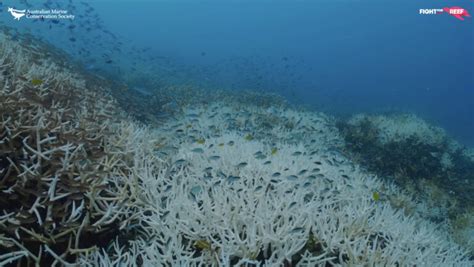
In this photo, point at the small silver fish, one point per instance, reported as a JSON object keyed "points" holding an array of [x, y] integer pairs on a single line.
{"points": [[302, 172], [198, 150], [180, 161], [297, 230], [232, 178], [259, 155], [241, 165], [196, 190]]}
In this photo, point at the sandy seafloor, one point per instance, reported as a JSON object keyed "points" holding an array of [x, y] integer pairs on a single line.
{"points": [[219, 179]]}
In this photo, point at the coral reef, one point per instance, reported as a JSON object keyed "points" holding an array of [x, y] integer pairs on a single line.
{"points": [[417, 156], [63, 190], [232, 179], [225, 205], [399, 127], [222, 198]]}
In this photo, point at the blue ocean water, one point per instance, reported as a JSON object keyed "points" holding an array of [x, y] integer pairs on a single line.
{"points": [[341, 57], [338, 56]]}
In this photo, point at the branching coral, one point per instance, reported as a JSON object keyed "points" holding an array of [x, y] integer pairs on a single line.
{"points": [[62, 186], [419, 157], [206, 207]]}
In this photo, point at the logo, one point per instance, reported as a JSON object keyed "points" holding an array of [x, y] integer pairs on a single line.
{"points": [[457, 12], [41, 14], [17, 14]]}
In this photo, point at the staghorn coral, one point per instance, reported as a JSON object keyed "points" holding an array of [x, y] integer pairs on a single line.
{"points": [[62, 173], [221, 199], [204, 210]]}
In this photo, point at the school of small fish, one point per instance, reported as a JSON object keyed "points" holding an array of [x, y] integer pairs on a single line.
{"points": [[222, 143]]}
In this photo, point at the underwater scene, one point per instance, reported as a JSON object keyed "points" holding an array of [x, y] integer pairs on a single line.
{"points": [[236, 133]]}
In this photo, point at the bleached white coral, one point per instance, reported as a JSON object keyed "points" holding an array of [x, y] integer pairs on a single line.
{"points": [[314, 130], [401, 127], [231, 200]]}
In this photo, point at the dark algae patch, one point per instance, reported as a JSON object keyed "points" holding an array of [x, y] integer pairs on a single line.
{"points": [[410, 162]]}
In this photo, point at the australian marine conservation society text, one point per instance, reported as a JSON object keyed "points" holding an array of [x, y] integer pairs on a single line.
{"points": [[48, 14]]}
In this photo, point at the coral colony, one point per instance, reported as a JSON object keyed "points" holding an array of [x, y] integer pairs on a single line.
{"points": [[230, 180]]}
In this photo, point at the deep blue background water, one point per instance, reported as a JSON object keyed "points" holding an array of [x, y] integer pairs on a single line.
{"points": [[337, 56]]}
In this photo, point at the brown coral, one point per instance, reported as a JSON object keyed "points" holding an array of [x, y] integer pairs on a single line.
{"points": [[58, 193]]}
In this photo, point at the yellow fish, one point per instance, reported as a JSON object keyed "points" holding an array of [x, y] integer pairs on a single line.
{"points": [[248, 137], [201, 141], [203, 245], [274, 151], [376, 196], [36, 82]]}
